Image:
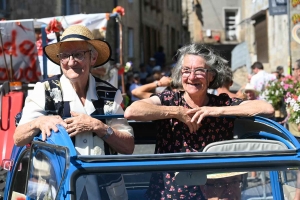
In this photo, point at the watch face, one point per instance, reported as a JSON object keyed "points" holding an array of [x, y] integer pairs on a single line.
{"points": [[109, 131]]}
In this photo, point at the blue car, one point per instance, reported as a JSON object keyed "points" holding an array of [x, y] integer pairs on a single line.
{"points": [[262, 162]]}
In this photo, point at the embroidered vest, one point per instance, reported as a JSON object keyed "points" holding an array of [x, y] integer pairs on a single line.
{"points": [[55, 105]]}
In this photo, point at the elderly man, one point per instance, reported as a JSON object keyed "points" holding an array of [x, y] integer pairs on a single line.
{"points": [[76, 95]]}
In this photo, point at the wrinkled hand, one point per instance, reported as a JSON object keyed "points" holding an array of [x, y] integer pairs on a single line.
{"points": [[48, 123], [186, 118], [198, 114], [79, 123]]}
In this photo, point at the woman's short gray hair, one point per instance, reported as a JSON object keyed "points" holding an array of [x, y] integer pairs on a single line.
{"points": [[215, 62]]}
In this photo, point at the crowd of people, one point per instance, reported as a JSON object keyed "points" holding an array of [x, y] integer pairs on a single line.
{"points": [[174, 96]]}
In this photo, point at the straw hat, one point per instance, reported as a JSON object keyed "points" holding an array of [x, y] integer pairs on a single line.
{"points": [[224, 175], [79, 33], [249, 87]]}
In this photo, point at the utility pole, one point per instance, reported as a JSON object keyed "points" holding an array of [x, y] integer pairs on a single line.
{"points": [[289, 36]]}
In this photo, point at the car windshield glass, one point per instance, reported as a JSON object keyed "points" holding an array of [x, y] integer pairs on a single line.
{"points": [[47, 168], [208, 184]]}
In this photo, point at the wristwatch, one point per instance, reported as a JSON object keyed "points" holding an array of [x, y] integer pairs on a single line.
{"points": [[109, 132]]}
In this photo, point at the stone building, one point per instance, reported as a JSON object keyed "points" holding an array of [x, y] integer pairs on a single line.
{"points": [[146, 25], [264, 36]]}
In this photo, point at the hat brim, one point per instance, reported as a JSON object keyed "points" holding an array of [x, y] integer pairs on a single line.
{"points": [[224, 175], [102, 47], [253, 90]]}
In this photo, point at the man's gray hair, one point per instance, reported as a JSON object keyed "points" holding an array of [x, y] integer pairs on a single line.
{"points": [[93, 50], [215, 62]]}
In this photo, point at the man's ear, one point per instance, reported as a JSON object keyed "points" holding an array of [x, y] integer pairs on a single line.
{"points": [[94, 56]]}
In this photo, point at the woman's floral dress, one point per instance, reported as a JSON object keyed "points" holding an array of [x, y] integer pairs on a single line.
{"points": [[173, 136]]}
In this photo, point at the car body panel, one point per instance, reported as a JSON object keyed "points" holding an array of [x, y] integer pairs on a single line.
{"points": [[137, 169]]}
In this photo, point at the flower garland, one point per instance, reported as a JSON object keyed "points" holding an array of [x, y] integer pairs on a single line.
{"points": [[120, 10], [54, 26]]}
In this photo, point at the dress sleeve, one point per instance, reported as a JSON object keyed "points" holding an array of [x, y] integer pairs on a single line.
{"points": [[225, 99], [166, 97], [34, 106]]}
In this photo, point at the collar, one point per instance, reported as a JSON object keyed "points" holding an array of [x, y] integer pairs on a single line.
{"points": [[68, 90]]}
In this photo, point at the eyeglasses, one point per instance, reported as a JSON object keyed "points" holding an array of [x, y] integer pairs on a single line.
{"points": [[65, 57], [220, 185], [295, 69], [186, 72]]}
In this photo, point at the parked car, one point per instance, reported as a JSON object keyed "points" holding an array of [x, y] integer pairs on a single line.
{"points": [[51, 169]]}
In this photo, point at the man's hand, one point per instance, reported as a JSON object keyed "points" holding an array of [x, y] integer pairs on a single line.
{"points": [[48, 123], [80, 123]]}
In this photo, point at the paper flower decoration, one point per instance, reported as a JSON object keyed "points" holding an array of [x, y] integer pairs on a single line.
{"points": [[120, 10], [54, 26]]}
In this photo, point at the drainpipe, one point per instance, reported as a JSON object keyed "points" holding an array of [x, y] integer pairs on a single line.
{"points": [[67, 7], [117, 40], [142, 58], [289, 36]]}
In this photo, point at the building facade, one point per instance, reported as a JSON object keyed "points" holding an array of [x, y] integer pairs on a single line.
{"points": [[146, 25]]}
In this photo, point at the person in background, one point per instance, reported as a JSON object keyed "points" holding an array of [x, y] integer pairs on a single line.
{"points": [[143, 73], [250, 92], [189, 119], [224, 186], [280, 72], [260, 78], [227, 83], [155, 76], [135, 84], [76, 89], [145, 91], [150, 66], [160, 57]]}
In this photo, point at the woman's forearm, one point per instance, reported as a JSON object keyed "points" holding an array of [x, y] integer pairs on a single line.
{"points": [[143, 111], [249, 108]]}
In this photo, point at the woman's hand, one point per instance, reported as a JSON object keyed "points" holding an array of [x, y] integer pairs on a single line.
{"points": [[79, 123], [200, 113], [48, 123], [185, 117]]}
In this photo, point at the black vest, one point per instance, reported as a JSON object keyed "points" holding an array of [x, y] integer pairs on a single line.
{"points": [[105, 92]]}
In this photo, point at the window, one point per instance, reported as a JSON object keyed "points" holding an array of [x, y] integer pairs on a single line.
{"points": [[230, 22], [130, 42], [3, 5], [20, 176]]}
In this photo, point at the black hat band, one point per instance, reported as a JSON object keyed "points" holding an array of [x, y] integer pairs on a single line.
{"points": [[75, 36]]}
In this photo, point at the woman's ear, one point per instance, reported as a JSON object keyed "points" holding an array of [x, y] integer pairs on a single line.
{"points": [[212, 79], [211, 76]]}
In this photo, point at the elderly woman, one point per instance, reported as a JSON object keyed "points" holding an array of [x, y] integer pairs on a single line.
{"points": [[184, 117], [75, 95]]}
